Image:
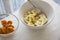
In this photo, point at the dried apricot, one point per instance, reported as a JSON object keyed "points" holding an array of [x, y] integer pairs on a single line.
{"points": [[7, 27], [10, 29], [11, 26], [3, 30], [9, 22], [4, 22], [0, 31]]}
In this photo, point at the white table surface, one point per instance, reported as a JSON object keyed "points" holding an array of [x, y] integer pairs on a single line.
{"points": [[51, 32]]}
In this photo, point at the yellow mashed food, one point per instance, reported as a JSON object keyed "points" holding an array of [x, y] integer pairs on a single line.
{"points": [[35, 18]]}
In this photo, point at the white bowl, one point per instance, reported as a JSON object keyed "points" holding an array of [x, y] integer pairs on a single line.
{"points": [[42, 5]]}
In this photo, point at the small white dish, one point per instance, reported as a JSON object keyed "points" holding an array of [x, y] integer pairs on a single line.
{"points": [[15, 22]]}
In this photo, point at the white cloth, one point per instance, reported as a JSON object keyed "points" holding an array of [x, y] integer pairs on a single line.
{"points": [[13, 5], [9, 5]]}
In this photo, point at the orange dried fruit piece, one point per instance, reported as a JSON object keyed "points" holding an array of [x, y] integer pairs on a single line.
{"points": [[3, 30], [8, 25], [4, 22], [10, 29], [11, 26], [0, 31], [9, 22]]}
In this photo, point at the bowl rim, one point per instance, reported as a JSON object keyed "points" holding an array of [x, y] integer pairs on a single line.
{"points": [[42, 25]]}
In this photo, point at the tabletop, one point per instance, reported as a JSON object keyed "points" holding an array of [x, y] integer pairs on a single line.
{"points": [[51, 32]]}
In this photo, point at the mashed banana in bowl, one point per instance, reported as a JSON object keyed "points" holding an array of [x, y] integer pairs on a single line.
{"points": [[35, 17]]}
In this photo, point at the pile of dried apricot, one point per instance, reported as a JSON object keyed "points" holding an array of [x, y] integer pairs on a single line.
{"points": [[7, 27]]}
